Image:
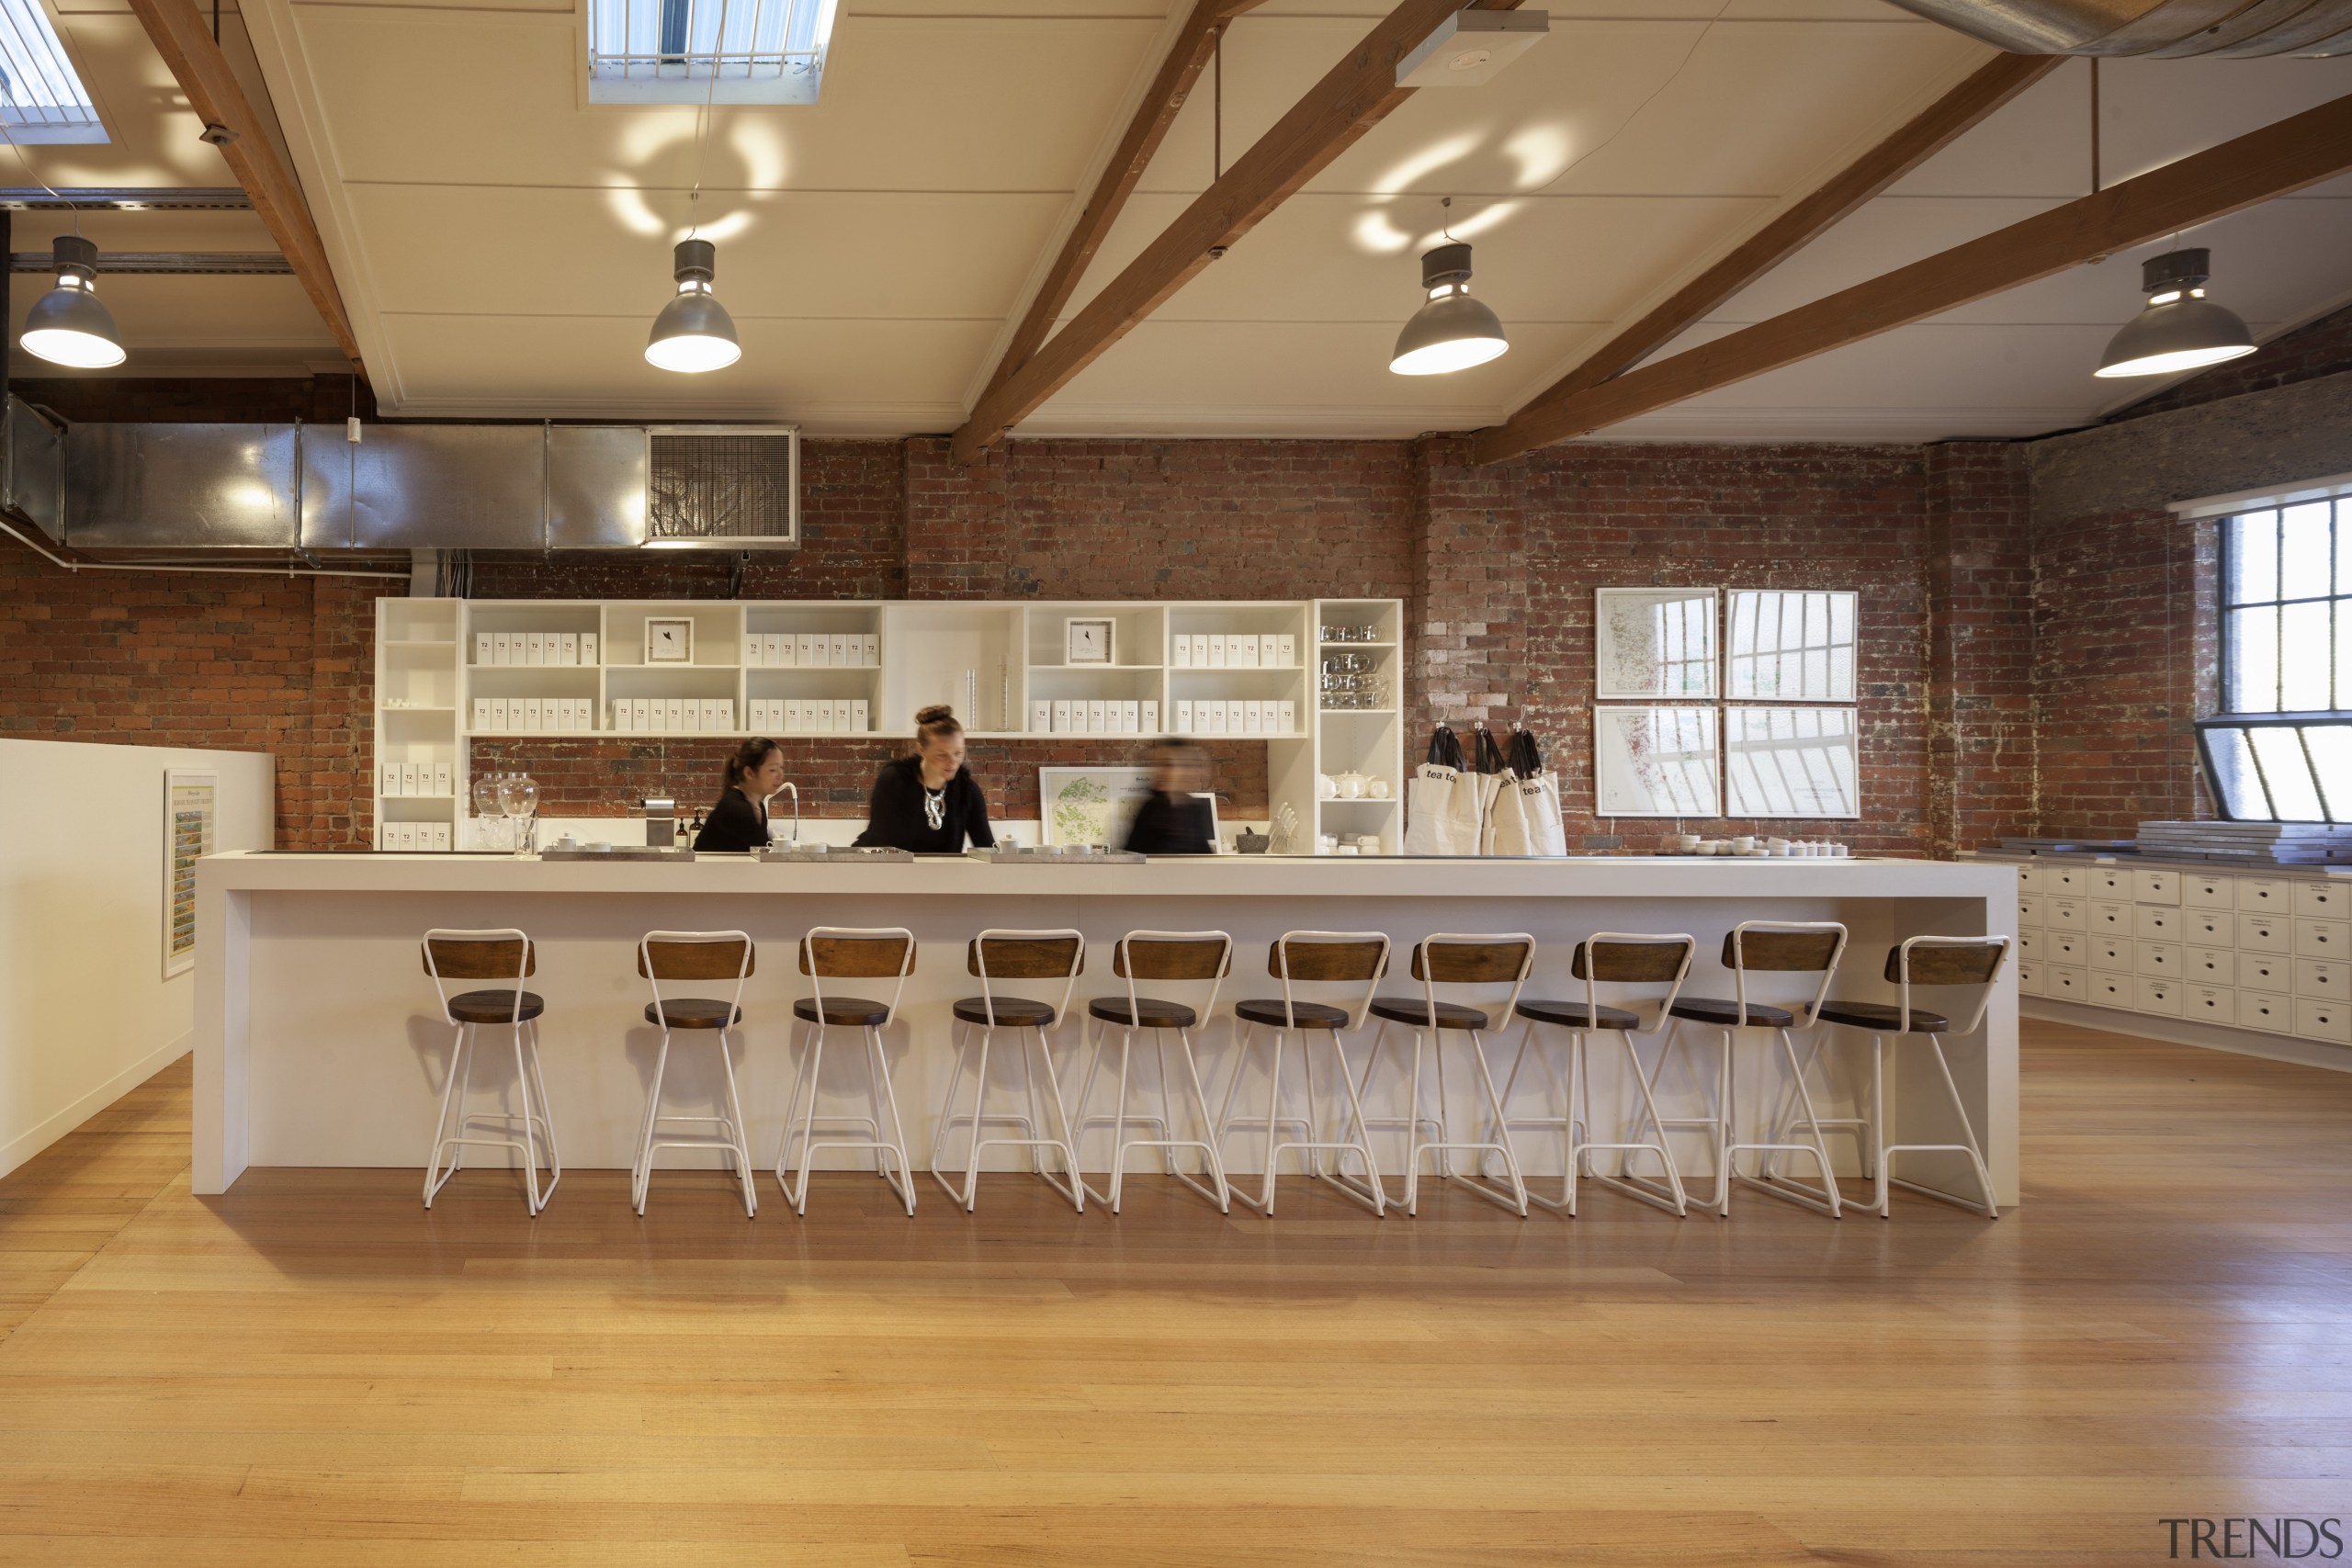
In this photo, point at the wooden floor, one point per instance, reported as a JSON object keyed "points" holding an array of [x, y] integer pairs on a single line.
{"points": [[314, 1370]]}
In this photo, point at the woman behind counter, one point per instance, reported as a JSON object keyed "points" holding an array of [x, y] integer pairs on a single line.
{"points": [[740, 820], [1175, 821], [928, 803]]}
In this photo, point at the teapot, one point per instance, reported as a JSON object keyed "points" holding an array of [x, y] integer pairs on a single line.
{"points": [[1326, 787], [1351, 785]]}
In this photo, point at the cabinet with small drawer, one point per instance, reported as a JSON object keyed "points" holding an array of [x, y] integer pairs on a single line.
{"points": [[2153, 994], [2156, 887], [2211, 965], [2217, 927], [2262, 933], [2318, 1020], [2329, 900], [2262, 893], [2029, 911], [2030, 942], [2264, 1011], [2028, 977], [2157, 922], [2110, 917], [2112, 952], [2029, 879], [2199, 891], [2324, 939], [2064, 914], [2070, 948], [2263, 972], [2112, 988], [2066, 980], [2167, 959], [2213, 1004], [2066, 879], [2110, 882], [2320, 977]]}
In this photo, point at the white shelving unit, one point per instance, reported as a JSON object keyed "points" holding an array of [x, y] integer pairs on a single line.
{"points": [[989, 659], [418, 681]]}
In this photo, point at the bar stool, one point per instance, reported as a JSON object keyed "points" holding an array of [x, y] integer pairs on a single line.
{"points": [[1326, 958], [504, 955], [993, 956], [694, 955], [1619, 959], [1455, 962], [1938, 961], [846, 953], [1762, 947], [1198, 957]]}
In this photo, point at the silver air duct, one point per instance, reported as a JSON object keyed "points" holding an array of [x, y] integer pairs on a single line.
{"points": [[2165, 29]]}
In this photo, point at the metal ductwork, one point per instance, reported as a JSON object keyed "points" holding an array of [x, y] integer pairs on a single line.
{"points": [[2164, 30], [306, 488]]}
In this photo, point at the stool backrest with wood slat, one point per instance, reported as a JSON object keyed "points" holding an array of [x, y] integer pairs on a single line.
{"points": [[1784, 947], [995, 956], [858, 953], [1204, 957], [1632, 958], [1329, 958], [1455, 958], [1947, 961], [696, 955], [500, 954]]}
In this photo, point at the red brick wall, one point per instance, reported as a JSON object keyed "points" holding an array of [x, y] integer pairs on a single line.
{"points": [[1982, 743]]}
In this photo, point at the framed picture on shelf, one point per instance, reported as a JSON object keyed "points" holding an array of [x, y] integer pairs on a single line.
{"points": [[1658, 643], [1090, 642], [1089, 806], [670, 641]]}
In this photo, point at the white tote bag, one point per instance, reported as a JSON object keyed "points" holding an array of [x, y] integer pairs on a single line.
{"points": [[1526, 815], [1442, 801]]}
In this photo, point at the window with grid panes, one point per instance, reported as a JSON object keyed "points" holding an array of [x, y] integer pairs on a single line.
{"points": [[2281, 749]]}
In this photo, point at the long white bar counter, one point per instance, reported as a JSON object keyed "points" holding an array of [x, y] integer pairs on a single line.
{"points": [[318, 1041]]}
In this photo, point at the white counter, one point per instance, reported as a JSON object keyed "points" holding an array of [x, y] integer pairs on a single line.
{"points": [[318, 1043]]}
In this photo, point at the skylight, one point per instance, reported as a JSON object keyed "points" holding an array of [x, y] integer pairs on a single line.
{"points": [[692, 52], [42, 99]]}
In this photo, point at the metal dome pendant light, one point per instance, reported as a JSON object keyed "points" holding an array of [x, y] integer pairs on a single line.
{"points": [[1452, 332], [694, 333], [70, 325], [2180, 329]]}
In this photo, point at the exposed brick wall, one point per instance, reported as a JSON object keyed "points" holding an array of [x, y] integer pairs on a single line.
{"points": [[1982, 743]]}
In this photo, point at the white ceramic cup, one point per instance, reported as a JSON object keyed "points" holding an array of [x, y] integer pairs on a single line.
{"points": [[1743, 843], [1378, 789], [1687, 842]]}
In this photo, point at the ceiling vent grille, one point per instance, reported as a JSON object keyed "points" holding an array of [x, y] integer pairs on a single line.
{"points": [[723, 488]]}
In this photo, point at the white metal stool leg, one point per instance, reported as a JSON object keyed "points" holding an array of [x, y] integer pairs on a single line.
{"points": [[1671, 1197], [533, 1122], [1821, 1200], [1446, 1144], [1990, 1207], [967, 1196], [1370, 1192], [435, 1177], [1214, 1188]]}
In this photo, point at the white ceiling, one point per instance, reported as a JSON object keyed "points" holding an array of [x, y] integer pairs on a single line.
{"points": [[503, 246]]}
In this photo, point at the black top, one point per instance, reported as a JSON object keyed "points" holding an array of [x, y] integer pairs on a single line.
{"points": [[895, 818], [1172, 824], [736, 822]]}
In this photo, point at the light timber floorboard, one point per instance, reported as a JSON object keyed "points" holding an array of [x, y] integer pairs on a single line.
{"points": [[314, 1370]]}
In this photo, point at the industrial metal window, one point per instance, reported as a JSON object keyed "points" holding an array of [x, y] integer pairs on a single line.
{"points": [[2281, 750], [692, 52], [42, 98]]}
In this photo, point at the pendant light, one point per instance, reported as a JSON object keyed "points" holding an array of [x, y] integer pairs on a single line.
{"points": [[694, 333], [70, 325], [1452, 332], [2180, 329]]}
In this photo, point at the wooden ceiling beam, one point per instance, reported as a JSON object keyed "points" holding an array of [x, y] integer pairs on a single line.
{"points": [[1351, 99], [1922, 137], [2300, 151], [1173, 83], [183, 37]]}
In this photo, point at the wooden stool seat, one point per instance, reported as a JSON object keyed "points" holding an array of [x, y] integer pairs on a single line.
{"points": [[1414, 1013], [693, 1013], [1276, 1014], [1576, 1015], [1149, 1012], [1724, 1014], [495, 1007], [1010, 1012], [1884, 1018], [845, 1012]]}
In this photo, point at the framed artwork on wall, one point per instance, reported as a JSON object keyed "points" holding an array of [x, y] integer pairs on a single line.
{"points": [[1793, 762], [1089, 806], [191, 814], [1791, 645], [1656, 762], [1658, 643]]}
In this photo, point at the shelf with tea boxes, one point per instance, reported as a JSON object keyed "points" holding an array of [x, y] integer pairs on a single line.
{"points": [[449, 670]]}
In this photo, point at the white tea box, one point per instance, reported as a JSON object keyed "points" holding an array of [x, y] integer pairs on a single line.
{"points": [[1061, 715], [530, 714], [753, 649], [1220, 651], [861, 717], [620, 715], [1252, 719], [535, 648], [793, 721], [569, 651], [408, 838], [872, 647], [1179, 650], [1147, 716], [481, 713], [587, 648], [1286, 648], [1098, 716], [1246, 644], [1041, 716], [690, 718], [804, 648], [441, 778], [1130, 717], [841, 715], [839, 649], [391, 779], [641, 715], [407, 780], [1286, 717], [1269, 650], [821, 716], [775, 647], [727, 712], [482, 647], [441, 837], [502, 648], [1183, 716]]}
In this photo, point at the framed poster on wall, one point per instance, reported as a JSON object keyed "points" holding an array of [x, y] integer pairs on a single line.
{"points": [[1793, 761], [191, 812], [1656, 762], [1654, 642], [1791, 645]]}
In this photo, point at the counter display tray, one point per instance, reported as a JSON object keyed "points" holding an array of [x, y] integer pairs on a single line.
{"points": [[824, 854], [621, 851], [1055, 855]]}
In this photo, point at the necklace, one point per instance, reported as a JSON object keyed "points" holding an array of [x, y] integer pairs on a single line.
{"points": [[934, 806]]}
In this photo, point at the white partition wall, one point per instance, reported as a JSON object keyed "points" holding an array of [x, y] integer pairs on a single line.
{"points": [[86, 1012]]}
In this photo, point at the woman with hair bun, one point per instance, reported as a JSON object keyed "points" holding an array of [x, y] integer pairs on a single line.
{"points": [[928, 803], [740, 820]]}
